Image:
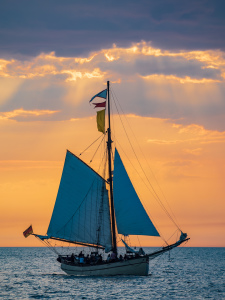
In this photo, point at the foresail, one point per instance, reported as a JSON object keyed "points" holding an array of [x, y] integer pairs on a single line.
{"points": [[81, 211], [131, 217]]}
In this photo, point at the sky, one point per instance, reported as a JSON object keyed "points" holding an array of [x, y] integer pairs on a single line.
{"points": [[166, 64]]}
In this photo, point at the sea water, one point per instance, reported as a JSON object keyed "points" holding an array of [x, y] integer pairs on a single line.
{"points": [[185, 273]]}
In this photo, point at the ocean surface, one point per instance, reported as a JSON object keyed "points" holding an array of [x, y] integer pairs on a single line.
{"points": [[186, 273]]}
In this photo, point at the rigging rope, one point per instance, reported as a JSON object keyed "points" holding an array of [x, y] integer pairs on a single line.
{"points": [[155, 193], [177, 224], [147, 188], [49, 246], [97, 148], [90, 145]]}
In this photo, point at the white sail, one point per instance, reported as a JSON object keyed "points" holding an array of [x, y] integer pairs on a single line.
{"points": [[81, 211], [131, 217]]}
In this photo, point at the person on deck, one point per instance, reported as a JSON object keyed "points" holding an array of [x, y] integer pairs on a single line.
{"points": [[92, 259], [141, 252], [88, 259], [72, 257], [81, 260], [113, 256], [100, 258]]}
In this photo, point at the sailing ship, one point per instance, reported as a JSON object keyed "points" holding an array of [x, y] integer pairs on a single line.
{"points": [[91, 211]]}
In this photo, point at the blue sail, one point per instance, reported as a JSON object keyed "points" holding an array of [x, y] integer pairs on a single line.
{"points": [[131, 217], [81, 212]]}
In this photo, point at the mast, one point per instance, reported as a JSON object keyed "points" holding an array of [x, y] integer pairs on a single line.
{"points": [[109, 143]]}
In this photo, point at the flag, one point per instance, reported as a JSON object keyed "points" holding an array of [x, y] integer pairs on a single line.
{"points": [[100, 112], [28, 231], [102, 104], [101, 120], [102, 94]]}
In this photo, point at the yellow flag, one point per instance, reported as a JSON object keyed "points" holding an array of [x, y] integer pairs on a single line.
{"points": [[101, 120]]}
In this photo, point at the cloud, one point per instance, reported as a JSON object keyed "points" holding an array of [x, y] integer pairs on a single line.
{"points": [[78, 28], [191, 134], [21, 114], [185, 79], [140, 58], [186, 86], [164, 142]]}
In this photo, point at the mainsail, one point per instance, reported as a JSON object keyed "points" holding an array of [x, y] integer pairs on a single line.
{"points": [[131, 217], [81, 212]]}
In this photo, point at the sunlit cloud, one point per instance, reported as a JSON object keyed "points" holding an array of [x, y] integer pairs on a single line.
{"points": [[74, 74], [192, 134], [150, 81], [24, 113], [76, 67], [186, 79], [164, 142]]}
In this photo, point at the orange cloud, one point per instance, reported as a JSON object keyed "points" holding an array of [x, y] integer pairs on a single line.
{"points": [[74, 74], [186, 79], [76, 67], [213, 58], [192, 133], [25, 113]]}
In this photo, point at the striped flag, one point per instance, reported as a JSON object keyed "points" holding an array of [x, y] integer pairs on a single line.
{"points": [[100, 118], [28, 231], [102, 104]]}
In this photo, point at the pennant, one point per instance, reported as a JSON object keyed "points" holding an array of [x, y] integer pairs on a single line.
{"points": [[28, 231], [101, 120], [102, 104], [102, 94]]}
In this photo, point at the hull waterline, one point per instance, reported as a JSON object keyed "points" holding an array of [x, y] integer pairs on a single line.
{"points": [[137, 266]]}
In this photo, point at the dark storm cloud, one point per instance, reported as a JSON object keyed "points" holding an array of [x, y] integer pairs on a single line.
{"points": [[78, 27]]}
